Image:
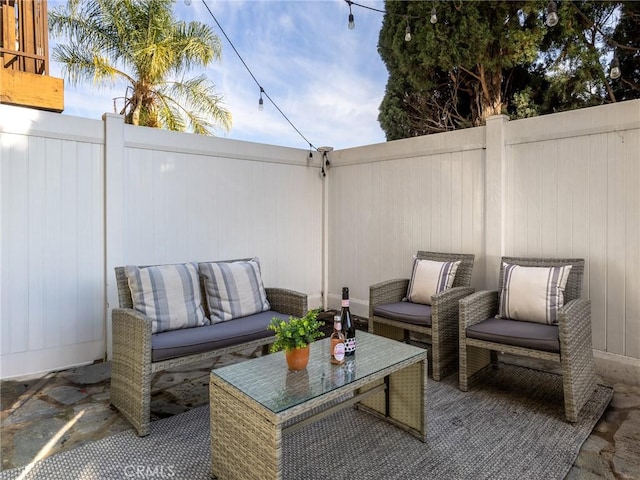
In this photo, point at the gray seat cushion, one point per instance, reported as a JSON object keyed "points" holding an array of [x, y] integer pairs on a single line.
{"points": [[415, 313], [189, 341], [518, 333]]}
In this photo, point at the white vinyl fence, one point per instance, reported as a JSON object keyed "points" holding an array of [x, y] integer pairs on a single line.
{"points": [[80, 197], [562, 185]]}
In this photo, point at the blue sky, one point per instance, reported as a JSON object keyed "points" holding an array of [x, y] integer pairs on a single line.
{"points": [[327, 79]]}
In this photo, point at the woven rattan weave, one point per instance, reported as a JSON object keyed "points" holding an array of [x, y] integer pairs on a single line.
{"points": [[574, 321], [132, 365], [254, 403], [443, 331]]}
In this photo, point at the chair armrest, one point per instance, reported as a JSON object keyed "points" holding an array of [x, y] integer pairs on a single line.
{"points": [[478, 307], [451, 295], [576, 355], [288, 302], [131, 332], [389, 291], [445, 305], [127, 321], [574, 322]]}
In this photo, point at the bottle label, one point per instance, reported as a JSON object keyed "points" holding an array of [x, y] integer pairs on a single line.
{"points": [[350, 345], [338, 351], [345, 303]]}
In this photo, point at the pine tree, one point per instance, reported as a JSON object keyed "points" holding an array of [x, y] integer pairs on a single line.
{"points": [[627, 42], [484, 58]]}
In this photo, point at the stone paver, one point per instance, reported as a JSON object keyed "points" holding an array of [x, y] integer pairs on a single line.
{"points": [[66, 394], [626, 400], [29, 442], [626, 458], [98, 372], [33, 409], [167, 380], [595, 444], [93, 417]]}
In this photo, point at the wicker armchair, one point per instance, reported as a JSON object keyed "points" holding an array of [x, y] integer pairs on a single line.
{"points": [[568, 343], [439, 322], [133, 367]]}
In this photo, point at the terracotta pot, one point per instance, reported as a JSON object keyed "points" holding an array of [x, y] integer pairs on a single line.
{"points": [[298, 358]]}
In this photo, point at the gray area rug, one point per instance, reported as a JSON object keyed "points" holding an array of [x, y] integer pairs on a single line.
{"points": [[511, 427]]}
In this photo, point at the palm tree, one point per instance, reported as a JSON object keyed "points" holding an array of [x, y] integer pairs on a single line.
{"points": [[141, 43]]}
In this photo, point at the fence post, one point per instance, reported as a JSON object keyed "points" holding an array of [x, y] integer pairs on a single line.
{"points": [[113, 212], [494, 198]]}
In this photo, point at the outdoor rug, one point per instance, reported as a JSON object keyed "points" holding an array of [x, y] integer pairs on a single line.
{"points": [[511, 427]]}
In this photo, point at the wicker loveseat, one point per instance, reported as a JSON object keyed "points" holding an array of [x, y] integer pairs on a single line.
{"points": [[138, 352]]}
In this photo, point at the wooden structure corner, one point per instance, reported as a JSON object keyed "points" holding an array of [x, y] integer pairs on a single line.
{"points": [[24, 55]]}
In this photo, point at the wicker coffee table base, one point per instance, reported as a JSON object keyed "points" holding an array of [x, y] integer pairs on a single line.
{"points": [[246, 438]]}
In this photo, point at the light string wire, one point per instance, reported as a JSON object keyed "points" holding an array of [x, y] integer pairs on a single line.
{"points": [[262, 90], [350, 2], [551, 7]]}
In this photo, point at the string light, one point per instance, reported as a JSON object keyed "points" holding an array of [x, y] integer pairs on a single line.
{"points": [[352, 23], [325, 164], [407, 30], [614, 68], [262, 91], [551, 20], [552, 14]]}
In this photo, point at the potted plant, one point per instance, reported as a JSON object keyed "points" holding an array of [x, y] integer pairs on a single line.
{"points": [[294, 336]]}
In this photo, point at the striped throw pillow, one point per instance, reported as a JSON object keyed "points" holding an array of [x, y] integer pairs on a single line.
{"points": [[168, 294], [234, 289], [533, 294], [429, 277]]}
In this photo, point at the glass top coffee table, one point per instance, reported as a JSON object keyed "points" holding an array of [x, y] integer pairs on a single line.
{"points": [[255, 402]]}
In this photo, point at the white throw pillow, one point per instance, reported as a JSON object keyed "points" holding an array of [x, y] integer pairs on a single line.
{"points": [[234, 289], [429, 277], [168, 294], [533, 294]]}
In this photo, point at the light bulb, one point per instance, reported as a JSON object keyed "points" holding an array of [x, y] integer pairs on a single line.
{"points": [[407, 35], [434, 17], [552, 14], [352, 24], [260, 104], [614, 71]]}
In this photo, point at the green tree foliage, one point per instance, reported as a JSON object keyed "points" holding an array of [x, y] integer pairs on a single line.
{"points": [[138, 43], [483, 58], [627, 38]]}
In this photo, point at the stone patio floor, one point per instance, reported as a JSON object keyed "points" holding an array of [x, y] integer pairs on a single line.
{"points": [[37, 416]]}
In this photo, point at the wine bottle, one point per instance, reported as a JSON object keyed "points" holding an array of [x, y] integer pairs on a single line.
{"points": [[337, 342], [348, 327]]}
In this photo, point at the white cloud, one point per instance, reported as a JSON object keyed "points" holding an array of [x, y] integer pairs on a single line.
{"points": [[328, 80]]}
